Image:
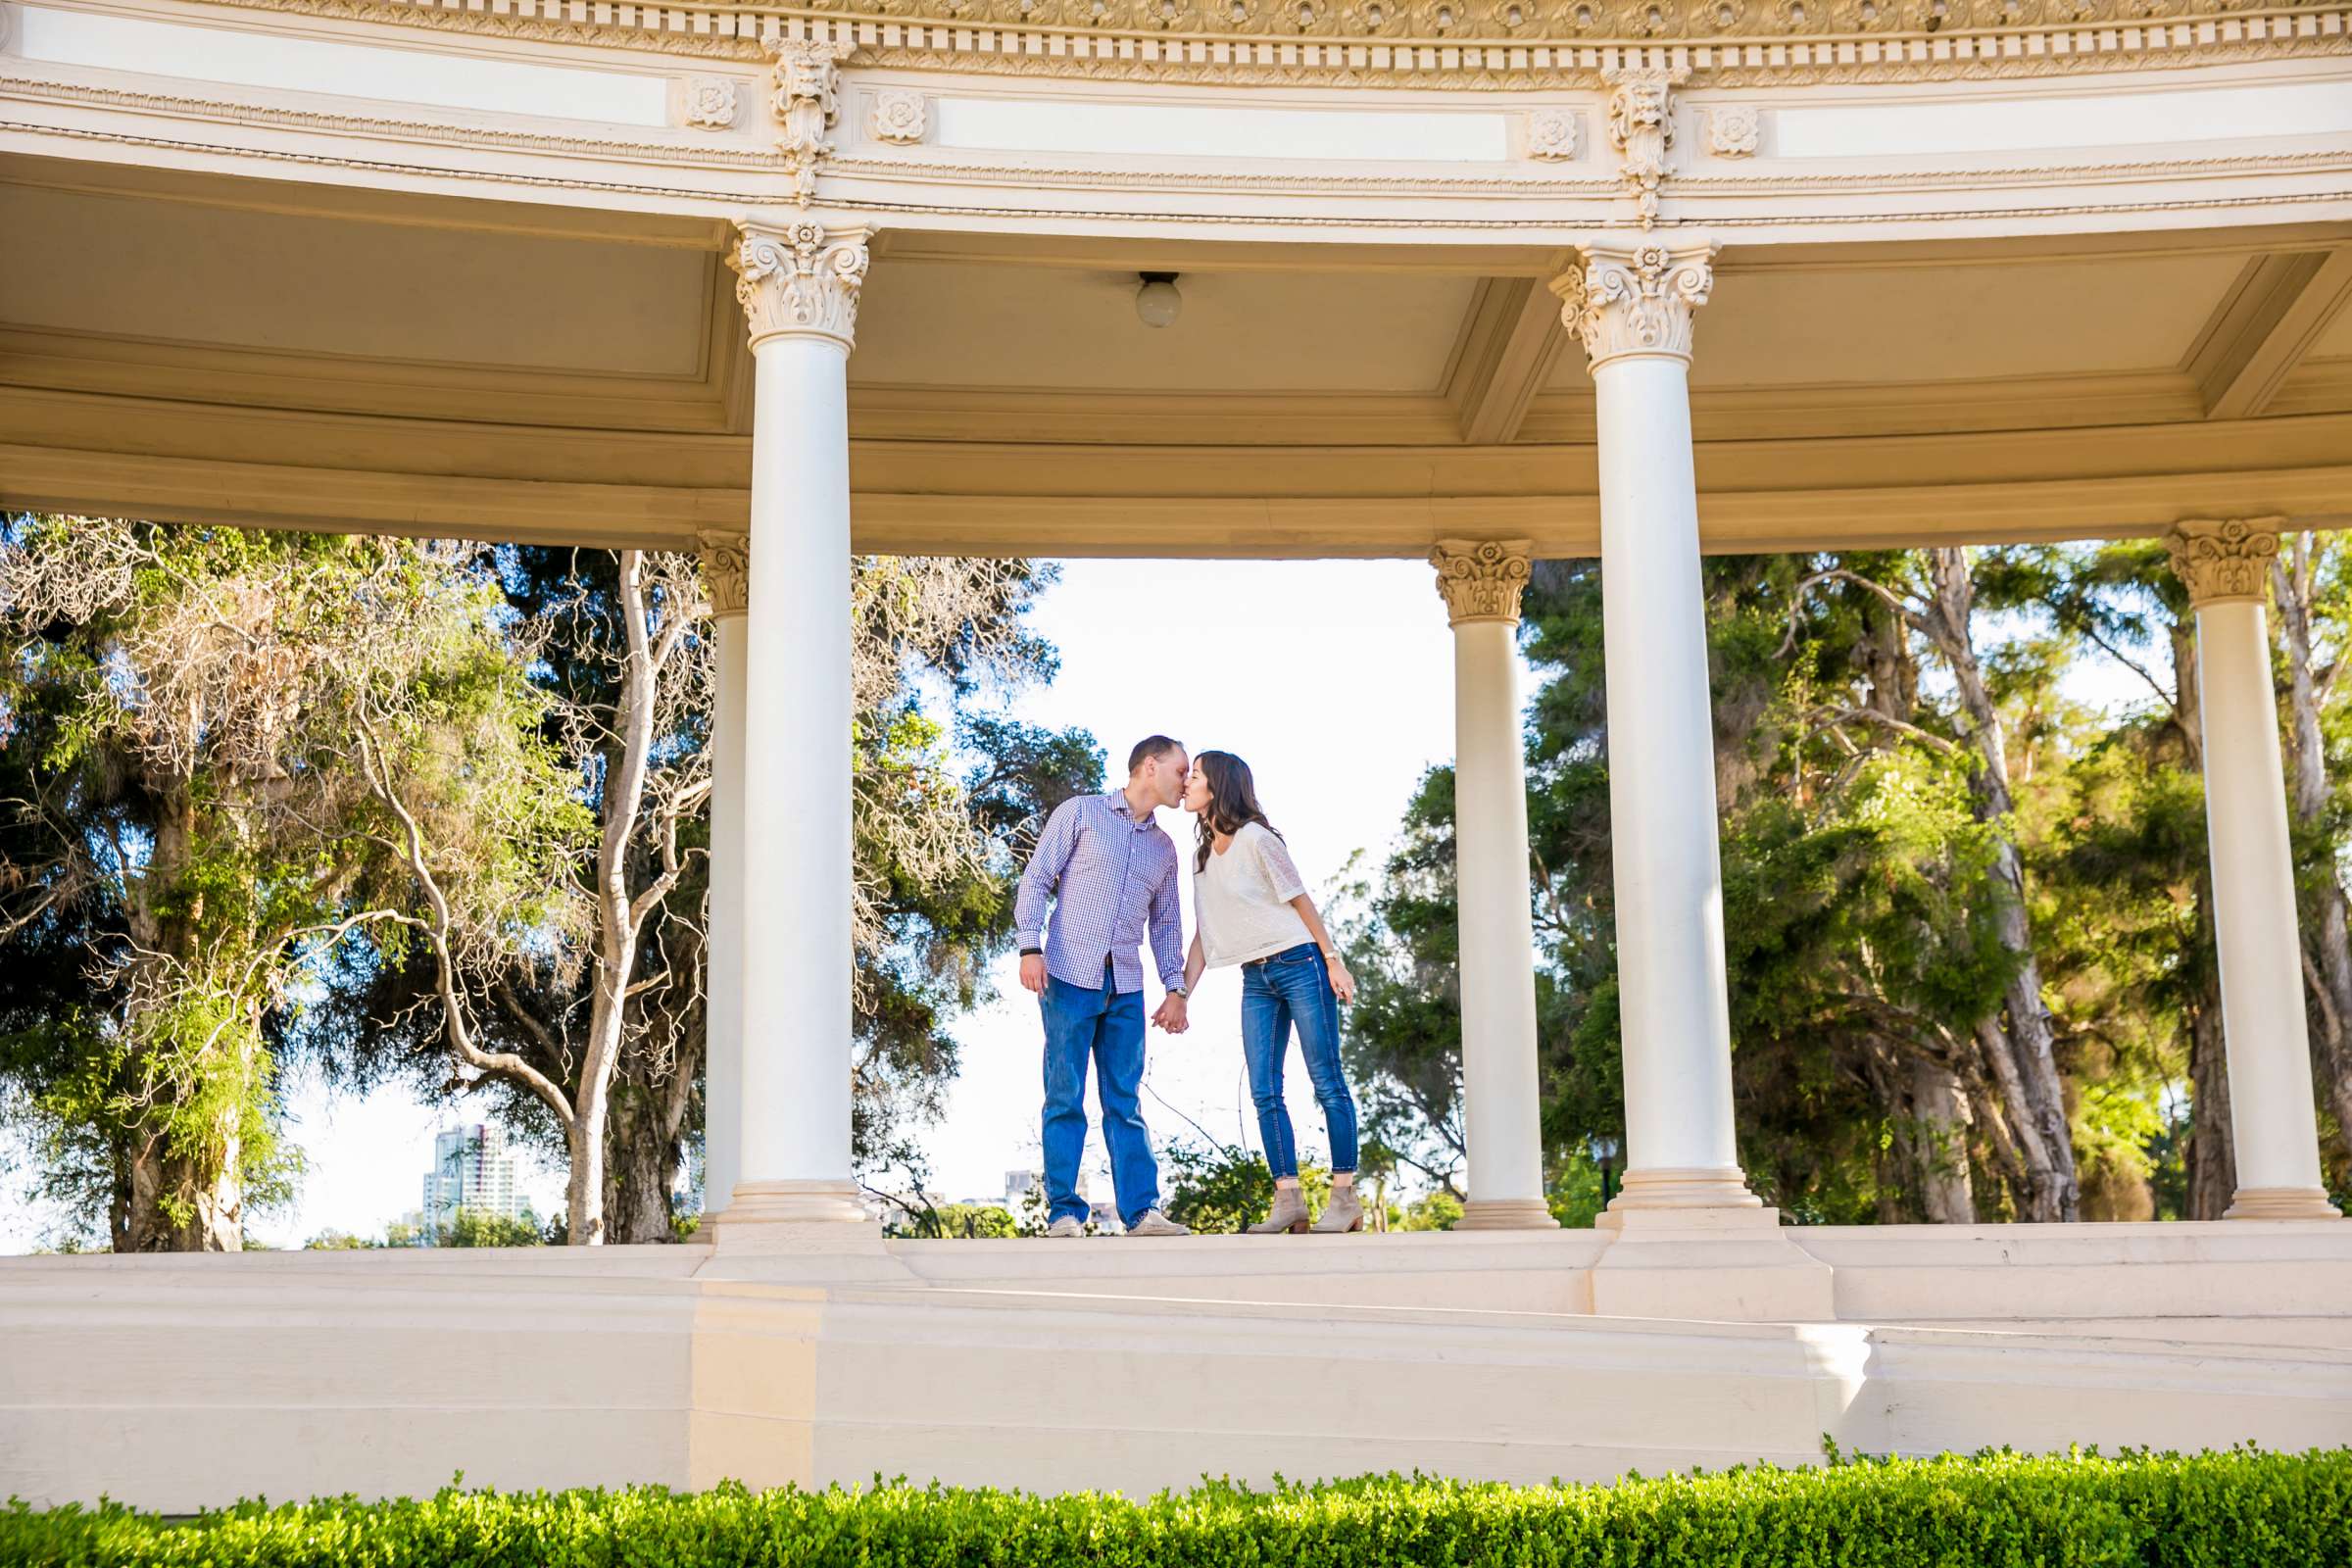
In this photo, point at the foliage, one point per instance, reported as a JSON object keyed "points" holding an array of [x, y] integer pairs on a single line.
{"points": [[956, 1222], [2076, 1510], [183, 839]]}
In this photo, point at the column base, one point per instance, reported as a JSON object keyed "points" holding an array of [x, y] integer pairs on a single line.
{"points": [[790, 1213], [1684, 1187], [1728, 1264], [2281, 1203], [1505, 1215]]}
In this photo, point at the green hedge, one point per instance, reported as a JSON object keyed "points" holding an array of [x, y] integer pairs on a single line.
{"points": [[2238, 1510]]}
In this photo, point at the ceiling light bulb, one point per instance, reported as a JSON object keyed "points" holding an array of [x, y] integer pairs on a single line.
{"points": [[1157, 300]]}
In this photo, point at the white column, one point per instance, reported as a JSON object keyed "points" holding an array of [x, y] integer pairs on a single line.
{"points": [[724, 570], [1502, 1112], [799, 289], [2226, 565], [1632, 306]]}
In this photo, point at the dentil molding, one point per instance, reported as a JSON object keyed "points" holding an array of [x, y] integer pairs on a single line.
{"points": [[1636, 298], [2226, 562], [1481, 579], [728, 572], [800, 280]]}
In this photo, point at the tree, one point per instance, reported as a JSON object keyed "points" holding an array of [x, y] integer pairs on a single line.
{"points": [[183, 840], [936, 853], [601, 904]]}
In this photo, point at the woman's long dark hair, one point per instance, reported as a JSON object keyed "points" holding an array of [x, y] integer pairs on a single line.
{"points": [[1232, 804]]}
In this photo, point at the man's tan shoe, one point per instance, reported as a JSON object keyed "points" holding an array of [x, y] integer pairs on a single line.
{"points": [[1154, 1223], [1066, 1227], [1345, 1212], [1288, 1215]]}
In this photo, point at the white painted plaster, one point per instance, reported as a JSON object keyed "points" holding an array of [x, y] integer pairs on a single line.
{"points": [[2272, 1123], [2110, 119], [1500, 1102], [252, 58], [1221, 131]]}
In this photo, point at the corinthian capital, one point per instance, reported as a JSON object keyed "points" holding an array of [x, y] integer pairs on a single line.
{"points": [[799, 280], [728, 572], [2220, 562], [1636, 299], [1481, 578]]}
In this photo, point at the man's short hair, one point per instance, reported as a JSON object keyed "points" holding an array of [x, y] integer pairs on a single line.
{"points": [[1148, 747]]}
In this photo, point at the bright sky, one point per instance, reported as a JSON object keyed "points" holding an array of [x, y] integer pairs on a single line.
{"points": [[1333, 679]]}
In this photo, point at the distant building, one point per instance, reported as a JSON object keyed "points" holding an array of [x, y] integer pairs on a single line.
{"points": [[471, 1170]]}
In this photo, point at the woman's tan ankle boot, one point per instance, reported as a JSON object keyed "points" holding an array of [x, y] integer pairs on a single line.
{"points": [[1345, 1212], [1289, 1213]]}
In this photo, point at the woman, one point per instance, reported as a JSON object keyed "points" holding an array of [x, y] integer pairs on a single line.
{"points": [[1249, 907]]}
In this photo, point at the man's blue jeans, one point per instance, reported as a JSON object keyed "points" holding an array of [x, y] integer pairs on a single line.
{"points": [[1295, 987], [1105, 1026]]}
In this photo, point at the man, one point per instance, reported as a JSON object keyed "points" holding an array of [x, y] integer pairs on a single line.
{"points": [[1109, 872]]}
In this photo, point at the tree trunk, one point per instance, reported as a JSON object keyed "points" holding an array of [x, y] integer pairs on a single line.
{"points": [[178, 1205], [2324, 931], [2021, 1042], [2211, 1160], [1939, 1109], [643, 1161]]}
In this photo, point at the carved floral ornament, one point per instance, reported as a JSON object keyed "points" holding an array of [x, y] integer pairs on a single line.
{"points": [[901, 115], [1482, 44], [1636, 299], [1552, 135], [800, 280], [2226, 562], [711, 103], [1481, 579], [728, 572]]}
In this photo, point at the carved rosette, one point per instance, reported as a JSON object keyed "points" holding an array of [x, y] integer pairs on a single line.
{"points": [[2224, 563], [1636, 299], [899, 116], [709, 103], [1640, 127], [799, 280], [806, 99], [728, 572], [1481, 579], [1734, 131], [1552, 135]]}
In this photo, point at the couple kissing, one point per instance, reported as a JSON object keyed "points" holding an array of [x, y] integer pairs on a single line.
{"points": [[1106, 871]]}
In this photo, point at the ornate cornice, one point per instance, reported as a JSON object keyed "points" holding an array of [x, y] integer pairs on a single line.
{"points": [[1424, 43], [799, 281], [728, 572], [1481, 579], [2224, 563], [1636, 298]]}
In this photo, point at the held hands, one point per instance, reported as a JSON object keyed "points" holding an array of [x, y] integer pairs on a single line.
{"points": [[1343, 984], [1171, 1014], [1033, 972]]}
